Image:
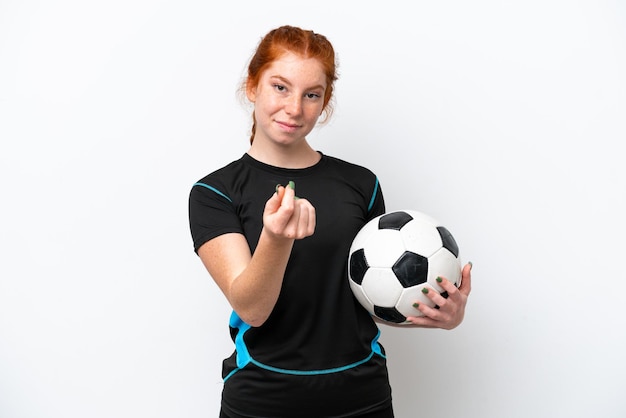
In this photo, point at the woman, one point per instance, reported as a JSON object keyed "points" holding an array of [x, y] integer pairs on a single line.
{"points": [[273, 229]]}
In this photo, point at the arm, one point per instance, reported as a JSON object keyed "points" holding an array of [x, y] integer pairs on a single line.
{"points": [[252, 282]]}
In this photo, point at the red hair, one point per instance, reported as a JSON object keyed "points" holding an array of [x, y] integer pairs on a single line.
{"points": [[304, 43]]}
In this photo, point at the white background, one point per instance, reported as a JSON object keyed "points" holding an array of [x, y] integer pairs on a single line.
{"points": [[504, 120]]}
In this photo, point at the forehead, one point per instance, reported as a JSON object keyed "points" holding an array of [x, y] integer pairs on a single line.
{"points": [[297, 70]]}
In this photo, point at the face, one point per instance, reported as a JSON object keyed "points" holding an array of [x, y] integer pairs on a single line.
{"points": [[288, 100]]}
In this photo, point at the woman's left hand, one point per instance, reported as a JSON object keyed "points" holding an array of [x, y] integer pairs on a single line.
{"points": [[451, 309]]}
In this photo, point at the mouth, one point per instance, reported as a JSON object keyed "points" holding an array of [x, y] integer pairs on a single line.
{"points": [[290, 127]]}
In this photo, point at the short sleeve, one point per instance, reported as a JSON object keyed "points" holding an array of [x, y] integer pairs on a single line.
{"points": [[211, 213]]}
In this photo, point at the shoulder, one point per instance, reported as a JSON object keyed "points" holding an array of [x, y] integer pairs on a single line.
{"points": [[220, 181], [240, 181], [348, 167], [355, 175], [360, 179], [224, 172]]}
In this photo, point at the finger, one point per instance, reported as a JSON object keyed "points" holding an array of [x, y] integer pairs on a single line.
{"points": [[273, 203], [292, 227], [303, 223], [445, 313], [432, 318], [435, 297], [287, 201], [466, 279], [306, 221], [312, 220], [448, 289], [283, 213], [422, 321], [278, 211], [444, 285]]}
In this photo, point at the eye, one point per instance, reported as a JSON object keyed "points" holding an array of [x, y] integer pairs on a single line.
{"points": [[312, 96], [279, 87]]}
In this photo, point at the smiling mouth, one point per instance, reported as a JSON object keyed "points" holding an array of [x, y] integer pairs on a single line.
{"points": [[288, 126]]}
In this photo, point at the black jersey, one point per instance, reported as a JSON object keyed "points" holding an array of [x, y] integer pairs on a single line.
{"points": [[317, 355]]}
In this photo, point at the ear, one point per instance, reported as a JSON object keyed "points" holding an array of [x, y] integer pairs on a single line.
{"points": [[251, 93]]}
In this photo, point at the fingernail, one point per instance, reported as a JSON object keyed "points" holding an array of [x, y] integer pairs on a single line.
{"points": [[439, 279], [471, 264], [277, 187], [425, 290], [416, 305], [292, 185], [296, 198]]}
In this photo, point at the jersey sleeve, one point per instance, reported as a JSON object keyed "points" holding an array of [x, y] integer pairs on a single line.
{"points": [[376, 205], [211, 213]]}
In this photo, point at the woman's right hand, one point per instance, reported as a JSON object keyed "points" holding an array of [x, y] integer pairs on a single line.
{"points": [[287, 216], [252, 283]]}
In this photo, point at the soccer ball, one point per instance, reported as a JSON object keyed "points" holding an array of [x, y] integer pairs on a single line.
{"points": [[394, 256]]}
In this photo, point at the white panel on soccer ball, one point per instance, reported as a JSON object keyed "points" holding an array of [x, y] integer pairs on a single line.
{"points": [[381, 286], [409, 297], [360, 295], [363, 235], [383, 248], [421, 237], [443, 263]]}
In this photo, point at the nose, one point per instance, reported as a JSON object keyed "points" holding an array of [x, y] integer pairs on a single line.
{"points": [[293, 105]]}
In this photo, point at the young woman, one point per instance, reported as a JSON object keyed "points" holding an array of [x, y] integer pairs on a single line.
{"points": [[273, 229]]}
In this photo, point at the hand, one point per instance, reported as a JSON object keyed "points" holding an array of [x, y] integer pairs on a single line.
{"points": [[288, 216], [451, 309]]}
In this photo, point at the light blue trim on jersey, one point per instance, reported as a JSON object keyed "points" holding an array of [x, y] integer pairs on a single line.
{"points": [[369, 207], [376, 347], [313, 372], [213, 189], [244, 358]]}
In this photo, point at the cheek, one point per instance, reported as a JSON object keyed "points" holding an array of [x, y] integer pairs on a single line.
{"points": [[314, 111], [268, 104]]}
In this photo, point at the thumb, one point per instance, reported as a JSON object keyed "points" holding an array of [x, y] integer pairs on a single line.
{"points": [[466, 279], [273, 203]]}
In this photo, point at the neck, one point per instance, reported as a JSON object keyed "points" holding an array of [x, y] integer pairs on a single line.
{"points": [[301, 156]]}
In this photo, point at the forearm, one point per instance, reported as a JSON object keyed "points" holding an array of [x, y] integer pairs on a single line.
{"points": [[254, 292]]}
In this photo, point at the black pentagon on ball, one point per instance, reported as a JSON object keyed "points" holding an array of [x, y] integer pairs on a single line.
{"points": [[411, 269], [358, 266], [448, 240], [389, 314], [394, 220]]}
